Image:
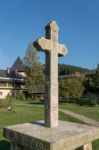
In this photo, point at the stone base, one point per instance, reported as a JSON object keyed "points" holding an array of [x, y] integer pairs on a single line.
{"points": [[67, 136]]}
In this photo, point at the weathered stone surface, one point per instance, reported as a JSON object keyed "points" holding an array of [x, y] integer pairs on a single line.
{"points": [[52, 50], [85, 147], [67, 136]]}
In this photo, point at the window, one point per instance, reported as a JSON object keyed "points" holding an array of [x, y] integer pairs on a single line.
{"points": [[3, 84], [10, 85]]}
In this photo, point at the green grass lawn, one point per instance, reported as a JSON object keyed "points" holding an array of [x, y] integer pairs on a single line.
{"points": [[23, 112], [26, 112]]}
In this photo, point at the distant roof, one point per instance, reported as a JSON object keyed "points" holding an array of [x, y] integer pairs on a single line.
{"points": [[11, 75], [18, 65], [2, 73]]}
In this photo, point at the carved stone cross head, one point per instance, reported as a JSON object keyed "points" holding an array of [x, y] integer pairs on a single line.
{"points": [[51, 41]]}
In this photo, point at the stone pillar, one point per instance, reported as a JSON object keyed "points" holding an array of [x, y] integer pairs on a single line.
{"points": [[51, 85], [51, 90]]}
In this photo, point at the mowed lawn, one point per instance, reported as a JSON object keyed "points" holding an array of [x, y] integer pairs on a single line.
{"points": [[21, 114], [24, 112]]}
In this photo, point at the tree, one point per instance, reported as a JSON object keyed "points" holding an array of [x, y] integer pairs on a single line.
{"points": [[92, 82], [34, 69], [71, 87]]}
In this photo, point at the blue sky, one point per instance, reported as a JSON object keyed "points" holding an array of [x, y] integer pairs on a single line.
{"points": [[23, 21]]}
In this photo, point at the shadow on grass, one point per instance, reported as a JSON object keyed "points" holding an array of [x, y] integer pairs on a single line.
{"points": [[35, 103], [4, 145]]}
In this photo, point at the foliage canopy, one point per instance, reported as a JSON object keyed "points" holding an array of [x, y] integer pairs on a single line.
{"points": [[34, 69]]}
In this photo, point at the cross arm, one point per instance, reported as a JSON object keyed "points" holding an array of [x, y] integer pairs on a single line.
{"points": [[62, 50], [45, 45], [42, 44]]}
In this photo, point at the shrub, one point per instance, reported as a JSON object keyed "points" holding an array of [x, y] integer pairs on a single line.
{"points": [[92, 100], [6, 102], [21, 96], [83, 101]]}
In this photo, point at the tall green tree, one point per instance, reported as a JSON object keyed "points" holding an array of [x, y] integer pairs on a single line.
{"points": [[34, 70], [71, 87]]}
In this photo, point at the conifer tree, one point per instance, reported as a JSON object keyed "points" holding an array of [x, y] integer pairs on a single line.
{"points": [[34, 70]]}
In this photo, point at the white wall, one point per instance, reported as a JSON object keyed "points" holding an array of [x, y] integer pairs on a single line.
{"points": [[4, 93]]}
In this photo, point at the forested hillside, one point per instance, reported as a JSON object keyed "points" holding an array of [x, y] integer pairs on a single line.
{"points": [[69, 69]]}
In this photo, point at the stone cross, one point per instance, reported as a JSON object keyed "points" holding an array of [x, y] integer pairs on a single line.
{"points": [[52, 50]]}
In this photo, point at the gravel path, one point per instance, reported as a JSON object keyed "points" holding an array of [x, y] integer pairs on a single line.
{"points": [[81, 118]]}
